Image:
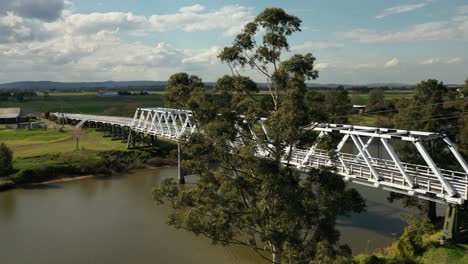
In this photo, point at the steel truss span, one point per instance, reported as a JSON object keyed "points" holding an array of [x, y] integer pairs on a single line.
{"points": [[427, 181]]}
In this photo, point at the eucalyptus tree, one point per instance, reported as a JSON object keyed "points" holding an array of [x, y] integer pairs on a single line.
{"points": [[179, 88], [425, 111], [259, 201], [376, 100]]}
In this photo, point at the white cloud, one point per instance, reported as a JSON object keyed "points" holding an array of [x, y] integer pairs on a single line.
{"points": [[91, 46], [392, 63], [192, 9], [315, 46], [322, 66], [454, 60], [229, 19], [365, 66], [455, 28], [431, 61], [400, 9]]}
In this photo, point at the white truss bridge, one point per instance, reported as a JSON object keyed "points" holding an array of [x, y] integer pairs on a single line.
{"points": [[426, 181]]}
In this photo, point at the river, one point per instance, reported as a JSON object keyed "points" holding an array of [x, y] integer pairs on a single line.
{"points": [[114, 220]]}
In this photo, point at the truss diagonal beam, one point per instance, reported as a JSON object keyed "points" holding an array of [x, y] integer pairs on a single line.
{"points": [[397, 161], [357, 143], [447, 187]]}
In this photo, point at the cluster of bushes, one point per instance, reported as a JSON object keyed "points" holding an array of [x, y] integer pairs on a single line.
{"points": [[134, 93], [48, 167], [6, 160], [17, 95], [419, 239]]}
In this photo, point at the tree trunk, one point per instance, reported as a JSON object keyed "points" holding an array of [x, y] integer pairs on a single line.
{"points": [[276, 254]]}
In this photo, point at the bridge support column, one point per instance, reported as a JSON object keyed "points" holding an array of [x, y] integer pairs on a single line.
{"points": [[455, 223], [131, 139], [180, 169], [124, 135]]}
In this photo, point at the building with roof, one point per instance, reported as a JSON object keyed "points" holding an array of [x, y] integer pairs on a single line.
{"points": [[11, 116]]}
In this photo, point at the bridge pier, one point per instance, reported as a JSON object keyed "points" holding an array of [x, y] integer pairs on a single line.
{"points": [[180, 169], [455, 223], [139, 139], [124, 135]]}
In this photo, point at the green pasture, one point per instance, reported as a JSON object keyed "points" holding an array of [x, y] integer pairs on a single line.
{"points": [[33, 143], [362, 98]]}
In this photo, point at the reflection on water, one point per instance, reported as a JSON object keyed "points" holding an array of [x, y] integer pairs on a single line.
{"points": [[114, 220]]}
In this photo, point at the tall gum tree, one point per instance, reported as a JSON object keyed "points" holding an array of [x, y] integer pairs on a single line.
{"points": [[251, 200], [425, 111]]}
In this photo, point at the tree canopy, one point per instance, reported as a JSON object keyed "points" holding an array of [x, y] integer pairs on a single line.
{"points": [[262, 202], [425, 111], [376, 100], [179, 88], [465, 88]]}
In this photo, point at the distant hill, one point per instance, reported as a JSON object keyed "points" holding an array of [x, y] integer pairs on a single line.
{"points": [[46, 85], [370, 85], [43, 85]]}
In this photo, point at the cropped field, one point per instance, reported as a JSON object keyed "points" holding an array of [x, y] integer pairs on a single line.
{"points": [[88, 103]]}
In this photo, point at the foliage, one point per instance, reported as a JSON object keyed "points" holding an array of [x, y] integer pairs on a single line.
{"points": [[51, 166], [179, 88], [377, 102], [243, 198], [333, 106], [465, 88], [425, 112], [412, 242], [326, 253], [338, 105], [4, 95], [6, 160], [463, 135], [418, 238]]}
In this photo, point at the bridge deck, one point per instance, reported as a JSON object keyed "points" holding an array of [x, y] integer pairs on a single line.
{"points": [[424, 181]]}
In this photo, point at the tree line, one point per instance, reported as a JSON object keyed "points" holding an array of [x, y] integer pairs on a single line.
{"points": [[17, 95]]}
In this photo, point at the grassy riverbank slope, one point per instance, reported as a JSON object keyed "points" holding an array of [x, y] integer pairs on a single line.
{"points": [[419, 244], [42, 155]]}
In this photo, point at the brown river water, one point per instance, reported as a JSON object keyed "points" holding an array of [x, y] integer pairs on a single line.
{"points": [[114, 220]]}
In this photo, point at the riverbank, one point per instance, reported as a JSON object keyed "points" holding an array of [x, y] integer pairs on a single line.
{"points": [[47, 155], [82, 164], [419, 244]]}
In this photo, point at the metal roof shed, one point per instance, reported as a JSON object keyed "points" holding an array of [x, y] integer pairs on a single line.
{"points": [[7, 113]]}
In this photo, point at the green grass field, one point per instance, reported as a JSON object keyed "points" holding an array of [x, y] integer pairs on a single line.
{"points": [[362, 98], [33, 143], [451, 254]]}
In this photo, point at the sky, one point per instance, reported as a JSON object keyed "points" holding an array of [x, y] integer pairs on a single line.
{"points": [[355, 42]]}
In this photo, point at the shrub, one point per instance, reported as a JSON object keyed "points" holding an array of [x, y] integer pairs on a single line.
{"points": [[6, 160], [412, 242]]}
